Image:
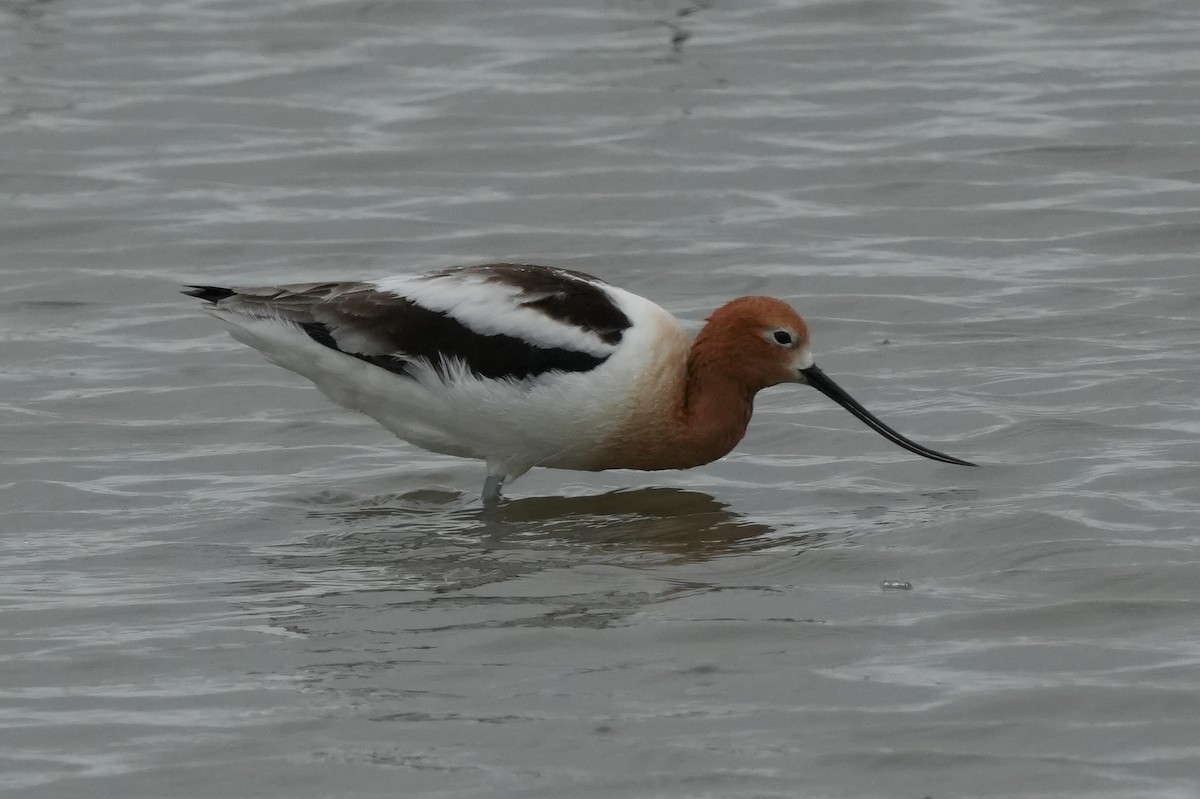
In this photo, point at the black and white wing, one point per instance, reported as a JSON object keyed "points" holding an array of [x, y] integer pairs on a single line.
{"points": [[498, 321]]}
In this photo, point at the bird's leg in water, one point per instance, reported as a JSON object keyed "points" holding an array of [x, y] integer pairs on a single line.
{"points": [[491, 489]]}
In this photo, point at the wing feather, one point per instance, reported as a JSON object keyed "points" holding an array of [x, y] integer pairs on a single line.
{"points": [[498, 321]]}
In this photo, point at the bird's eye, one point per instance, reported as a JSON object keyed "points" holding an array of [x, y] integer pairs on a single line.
{"points": [[783, 338]]}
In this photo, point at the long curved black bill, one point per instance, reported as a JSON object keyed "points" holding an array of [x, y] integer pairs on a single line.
{"points": [[822, 382]]}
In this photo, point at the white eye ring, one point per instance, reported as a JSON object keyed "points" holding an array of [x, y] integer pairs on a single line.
{"points": [[783, 338]]}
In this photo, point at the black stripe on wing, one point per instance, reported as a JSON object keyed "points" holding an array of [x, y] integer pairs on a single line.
{"points": [[393, 332], [416, 333], [571, 298]]}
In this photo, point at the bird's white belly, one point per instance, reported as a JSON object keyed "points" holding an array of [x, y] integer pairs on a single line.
{"points": [[513, 425], [556, 419]]}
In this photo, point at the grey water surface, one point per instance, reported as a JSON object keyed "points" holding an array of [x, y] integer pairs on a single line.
{"points": [[213, 583]]}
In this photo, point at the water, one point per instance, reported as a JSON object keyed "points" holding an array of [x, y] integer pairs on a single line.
{"points": [[215, 584]]}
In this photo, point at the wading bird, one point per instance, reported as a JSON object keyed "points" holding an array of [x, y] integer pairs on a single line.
{"points": [[520, 365]]}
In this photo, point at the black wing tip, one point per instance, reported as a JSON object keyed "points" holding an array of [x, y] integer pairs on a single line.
{"points": [[210, 293]]}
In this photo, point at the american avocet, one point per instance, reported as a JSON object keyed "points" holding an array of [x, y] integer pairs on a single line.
{"points": [[521, 366]]}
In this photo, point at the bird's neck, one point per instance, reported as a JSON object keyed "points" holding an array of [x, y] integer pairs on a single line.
{"points": [[693, 411], [716, 408]]}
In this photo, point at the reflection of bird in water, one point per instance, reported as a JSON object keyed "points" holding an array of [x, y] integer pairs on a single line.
{"points": [[427, 544], [670, 521], [522, 366], [666, 520]]}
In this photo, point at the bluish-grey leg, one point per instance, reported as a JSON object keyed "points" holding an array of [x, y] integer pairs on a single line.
{"points": [[491, 489]]}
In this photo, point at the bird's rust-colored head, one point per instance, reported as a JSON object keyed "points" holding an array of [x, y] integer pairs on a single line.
{"points": [[754, 342]]}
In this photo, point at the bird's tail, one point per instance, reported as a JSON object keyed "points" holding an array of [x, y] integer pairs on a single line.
{"points": [[210, 293]]}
